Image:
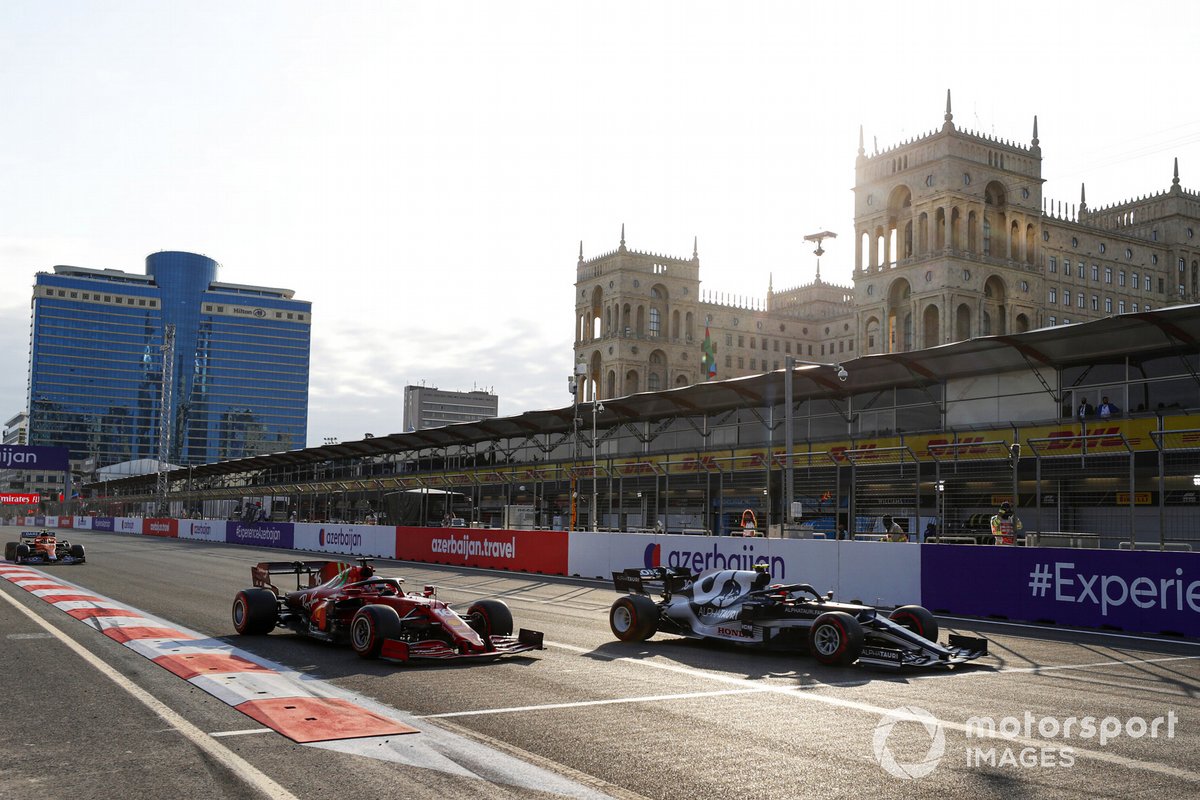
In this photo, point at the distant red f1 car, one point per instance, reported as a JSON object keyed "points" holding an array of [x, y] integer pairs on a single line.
{"points": [[349, 603], [43, 547]]}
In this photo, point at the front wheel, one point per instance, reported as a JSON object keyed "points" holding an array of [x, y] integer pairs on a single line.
{"points": [[633, 618], [21, 552], [490, 618], [77, 552], [255, 611], [10, 551], [835, 639], [370, 626], [918, 620]]}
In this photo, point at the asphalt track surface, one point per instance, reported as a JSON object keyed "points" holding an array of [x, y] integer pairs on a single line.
{"points": [[85, 717]]}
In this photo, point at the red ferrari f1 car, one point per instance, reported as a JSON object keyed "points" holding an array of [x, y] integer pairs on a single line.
{"points": [[350, 603]]}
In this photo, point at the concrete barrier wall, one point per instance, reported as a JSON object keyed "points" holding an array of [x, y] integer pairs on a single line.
{"points": [[1152, 592], [874, 572], [346, 540], [1141, 591], [203, 530]]}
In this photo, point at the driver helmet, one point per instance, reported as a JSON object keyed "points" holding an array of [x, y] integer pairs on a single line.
{"points": [[1006, 509]]}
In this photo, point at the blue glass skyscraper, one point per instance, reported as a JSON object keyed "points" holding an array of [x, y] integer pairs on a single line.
{"points": [[240, 369]]}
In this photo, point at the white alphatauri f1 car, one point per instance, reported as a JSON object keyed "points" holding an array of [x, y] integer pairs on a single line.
{"points": [[743, 606]]}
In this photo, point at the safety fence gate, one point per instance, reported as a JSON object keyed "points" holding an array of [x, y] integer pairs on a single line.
{"points": [[1084, 491], [968, 483], [817, 493], [885, 481], [1175, 499]]}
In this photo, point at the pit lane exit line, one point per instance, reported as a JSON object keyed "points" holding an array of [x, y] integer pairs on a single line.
{"points": [[585, 703], [868, 708], [758, 689]]}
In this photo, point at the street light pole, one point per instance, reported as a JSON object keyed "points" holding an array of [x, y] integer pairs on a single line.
{"points": [[597, 408], [575, 384], [789, 364]]}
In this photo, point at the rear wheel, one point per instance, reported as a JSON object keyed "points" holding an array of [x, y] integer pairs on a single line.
{"points": [[835, 639], [918, 620], [633, 618], [490, 618], [370, 626], [255, 611]]}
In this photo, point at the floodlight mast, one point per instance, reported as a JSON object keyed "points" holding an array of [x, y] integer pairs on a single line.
{"points": [[817, 237]]}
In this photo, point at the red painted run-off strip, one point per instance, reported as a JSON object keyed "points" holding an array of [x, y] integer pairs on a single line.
{"points": [[302, 718]]}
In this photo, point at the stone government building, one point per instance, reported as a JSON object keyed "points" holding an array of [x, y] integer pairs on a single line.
{"points": [[953, 240]]}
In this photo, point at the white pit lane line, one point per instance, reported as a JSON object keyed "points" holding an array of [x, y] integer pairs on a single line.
{"points": [[805, 693]]}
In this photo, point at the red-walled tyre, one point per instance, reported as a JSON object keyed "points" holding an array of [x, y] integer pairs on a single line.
{"points": [[370, 626], [255, 611], [490, 618], [835, 639], [916, 619], [633, 618]]}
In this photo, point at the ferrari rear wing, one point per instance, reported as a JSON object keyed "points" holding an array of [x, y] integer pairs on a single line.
{"points": [[261, 572], [668, 579]]}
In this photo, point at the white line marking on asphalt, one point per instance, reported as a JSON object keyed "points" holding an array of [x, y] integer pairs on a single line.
{"points": [[584, 703], [242, 733], [868, 708], [240, 768], [1081, 631]]}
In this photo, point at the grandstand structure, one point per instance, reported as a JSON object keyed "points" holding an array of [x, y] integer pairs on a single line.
{"points": [[939, 435]]}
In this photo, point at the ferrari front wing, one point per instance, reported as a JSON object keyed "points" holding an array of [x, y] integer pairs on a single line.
{"points": [[436, 650]]}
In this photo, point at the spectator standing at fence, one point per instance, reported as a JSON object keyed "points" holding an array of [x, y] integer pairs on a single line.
{"points": [[930, 530], [892, 530], [1107, 409], [1006, 525], [1085, 409]]}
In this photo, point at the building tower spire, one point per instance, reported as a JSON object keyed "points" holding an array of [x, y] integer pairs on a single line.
{"points": [[1175, 180], [695, 248], [862, 152], [581, 251], [622, 248], [948, 125], [1082, 198], [1035, 145]]}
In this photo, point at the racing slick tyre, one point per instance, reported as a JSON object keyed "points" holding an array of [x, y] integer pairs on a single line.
{"points": [[490, 618], [918, 620], [77, 552], [835, 639], [255, 611], [370, 626], [21, 552], [633, 618], [10, 551]]}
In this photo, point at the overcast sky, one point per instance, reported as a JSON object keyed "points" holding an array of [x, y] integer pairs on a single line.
{"points": [[425, 172]]}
